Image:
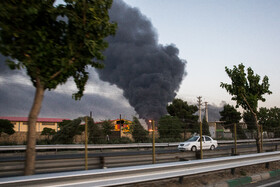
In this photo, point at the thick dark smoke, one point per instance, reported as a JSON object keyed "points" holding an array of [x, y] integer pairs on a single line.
{"points": [[149, 73]]}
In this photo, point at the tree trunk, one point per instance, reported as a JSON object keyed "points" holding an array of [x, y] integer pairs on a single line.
{"points": [[258, 140], [30, 154]]}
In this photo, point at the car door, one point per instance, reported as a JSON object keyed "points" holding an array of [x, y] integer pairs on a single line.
{"points": [[208, 142], [198, 143], [204, 145]]}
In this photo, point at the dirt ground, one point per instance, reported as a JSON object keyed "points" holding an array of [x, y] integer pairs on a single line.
{"points": [[208, 179]]}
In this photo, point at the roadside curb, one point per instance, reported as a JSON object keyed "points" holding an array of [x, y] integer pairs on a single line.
{"points": [[247, 180]]}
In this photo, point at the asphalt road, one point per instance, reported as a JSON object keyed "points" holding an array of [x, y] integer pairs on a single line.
{"points": [[115, 153]]}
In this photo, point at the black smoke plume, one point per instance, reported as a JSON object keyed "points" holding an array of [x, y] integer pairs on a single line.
{"points": [[149, 73]]}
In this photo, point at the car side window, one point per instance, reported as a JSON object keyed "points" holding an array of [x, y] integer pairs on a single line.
{"points": [[207, 138]]}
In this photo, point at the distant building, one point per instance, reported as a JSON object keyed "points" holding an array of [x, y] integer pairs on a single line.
{"points": [[216, 129], [20, 123]]}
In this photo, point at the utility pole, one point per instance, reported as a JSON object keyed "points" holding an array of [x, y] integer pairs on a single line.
{"points": [[206, 112], [200, 126], [199, 107]]}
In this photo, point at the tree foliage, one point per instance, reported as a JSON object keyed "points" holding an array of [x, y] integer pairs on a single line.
{"points": [[66, 134], [230, 116], [247, 90], [139, 134], [53, 43], [186, 113], [6, 127], [270, 120], [48, 131], [63, 123], [107, 127], [170, 127], [205, 127], [250, 120], [94, 132]]}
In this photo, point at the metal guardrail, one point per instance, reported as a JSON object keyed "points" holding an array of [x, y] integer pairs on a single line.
{"points": [[14, 166], [137, 174], [116, 146]]}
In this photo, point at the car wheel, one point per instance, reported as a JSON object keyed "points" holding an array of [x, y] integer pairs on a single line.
{"points": [[212, 147], [193, 148]]}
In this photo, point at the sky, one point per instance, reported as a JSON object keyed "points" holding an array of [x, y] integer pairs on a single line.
{"points": [[213, 34], [201, 37]]}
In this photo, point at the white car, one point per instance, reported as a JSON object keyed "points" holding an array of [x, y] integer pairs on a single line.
{"points": [[193, 144]]}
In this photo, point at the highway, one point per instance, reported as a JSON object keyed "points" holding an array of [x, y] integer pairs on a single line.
{"points": [[143, 173], [114, 153], [49, 162]]}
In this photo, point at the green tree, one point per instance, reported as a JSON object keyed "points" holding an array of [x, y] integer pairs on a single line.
{"points": [[94, 132], [270, 120], [63, 123], [107, 127], [53, 43], [66, 134], [249, 119], [139, 134], [6, 127], [231, 116], [205, 127], [48, 132], [247, 91], [170, 127], [186, 113]]}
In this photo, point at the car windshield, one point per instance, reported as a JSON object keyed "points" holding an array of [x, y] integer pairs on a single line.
{"points": [[193, 139]]}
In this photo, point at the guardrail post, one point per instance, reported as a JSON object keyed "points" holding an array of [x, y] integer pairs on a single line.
{"points": [[232, 171], [276, 147], [233, 153], [181, 180], [267, 165], [198, 155], [102, 162]]}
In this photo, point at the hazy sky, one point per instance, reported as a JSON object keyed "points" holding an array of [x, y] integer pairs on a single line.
{"points": [[208, 34], [212, 34]]}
